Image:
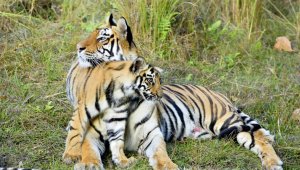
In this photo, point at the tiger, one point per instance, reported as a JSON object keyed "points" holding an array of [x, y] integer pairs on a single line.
{"points": [[106, 93], [111, 42], [184, 111]]}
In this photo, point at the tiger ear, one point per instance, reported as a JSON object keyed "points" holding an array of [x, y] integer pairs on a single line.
{"points": [[138, 64], [159, 70], [123, 28], [111, 21]]}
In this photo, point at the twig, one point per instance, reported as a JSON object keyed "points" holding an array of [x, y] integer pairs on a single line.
{"points": [[52, 95]]}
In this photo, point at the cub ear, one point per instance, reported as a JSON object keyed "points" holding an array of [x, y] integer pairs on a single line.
{"points": [[159, 70], [111, 21], [138, 64]]}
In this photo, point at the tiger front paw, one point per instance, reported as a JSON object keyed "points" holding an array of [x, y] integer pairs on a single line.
{"points": [[124, 162], [169, 165], [88, 166], [272, 164]]}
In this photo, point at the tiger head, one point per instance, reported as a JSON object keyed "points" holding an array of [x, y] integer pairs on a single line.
{"points": [[112, 42], [134, 78], [147, 83]]}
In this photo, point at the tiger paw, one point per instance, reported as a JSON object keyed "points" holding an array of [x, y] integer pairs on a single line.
{"points": [[88, 166], [124, 162], [272, 164], [168, 166], [70, 157]]}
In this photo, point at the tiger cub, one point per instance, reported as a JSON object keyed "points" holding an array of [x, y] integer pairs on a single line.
{"points": [[106, 92]]}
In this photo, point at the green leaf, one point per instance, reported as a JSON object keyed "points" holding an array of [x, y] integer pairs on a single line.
{"points": [[214, 26]]}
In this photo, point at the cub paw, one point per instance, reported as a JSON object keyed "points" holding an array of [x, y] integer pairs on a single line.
{"points": [[89, 166], [71, 157], [124, 162]]}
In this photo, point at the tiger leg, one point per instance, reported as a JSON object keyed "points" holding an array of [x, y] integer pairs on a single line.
{"points": [[262, 145], [73, 142], [92, 149], [154, 147], [115, 127]]}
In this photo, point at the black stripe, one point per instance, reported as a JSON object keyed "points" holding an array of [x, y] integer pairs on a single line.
{"points": [[74, 137], [229, 132], [118, 47], [111, 132], [181, 98], [171, 133], [221, 103], [203, 107], [112, 45], [148, 145], [88, 113], [145, 119], [146, 137], [72, 128], [211, 108], [97, 106], [69, 79], [119, 119], [227, 122], [199, 111], [213, 120], [250, 120], [115, 138], [252, 142], [109, 93], [179, 113], [97, 130], [90, 70], [204, 133], [129, 36], [134, 104]]}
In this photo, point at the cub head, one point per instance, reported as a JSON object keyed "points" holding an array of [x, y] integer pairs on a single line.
{"points": [[112, 42], [147, 82]]}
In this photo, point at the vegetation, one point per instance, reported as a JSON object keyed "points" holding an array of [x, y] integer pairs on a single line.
{"points": [[224, 45]]}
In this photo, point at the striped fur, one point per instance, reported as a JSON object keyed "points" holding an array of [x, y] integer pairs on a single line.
{"points": [[184, 108], [181, 110], [106, 92], [184, 111]]}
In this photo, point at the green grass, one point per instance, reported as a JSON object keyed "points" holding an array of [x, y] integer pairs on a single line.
{"points": [[214, 49]]}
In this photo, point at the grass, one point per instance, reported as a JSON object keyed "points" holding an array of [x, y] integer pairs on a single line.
{"points": [[206, 45]]}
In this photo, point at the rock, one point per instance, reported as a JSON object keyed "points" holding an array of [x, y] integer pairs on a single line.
{"points": [[296, 115], [283, 44]]}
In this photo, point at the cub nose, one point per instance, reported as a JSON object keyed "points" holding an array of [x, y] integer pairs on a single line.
{"points": [[160, 93]]}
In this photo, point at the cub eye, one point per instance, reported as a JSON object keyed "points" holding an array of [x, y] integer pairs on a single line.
{"points": [[101, 39], [149, 80]]}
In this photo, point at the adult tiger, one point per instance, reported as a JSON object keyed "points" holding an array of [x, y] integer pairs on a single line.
{"points": [[106, 93], [111, 42], [190, 111]]}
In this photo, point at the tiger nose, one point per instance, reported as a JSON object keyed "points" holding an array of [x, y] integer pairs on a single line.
{"points": [[80, 47]]}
